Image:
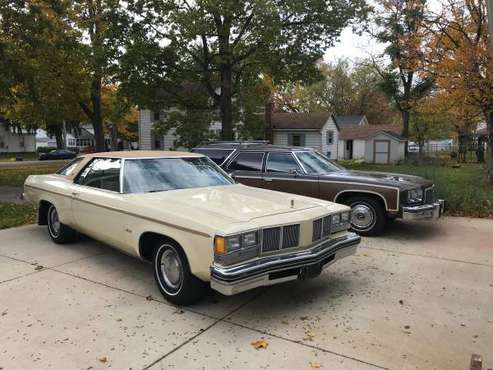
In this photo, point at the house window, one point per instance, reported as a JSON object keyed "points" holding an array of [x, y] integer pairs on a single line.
{"points": [[329, 154], [296, 139], [330, 137], [156, 116], [157, 144]]}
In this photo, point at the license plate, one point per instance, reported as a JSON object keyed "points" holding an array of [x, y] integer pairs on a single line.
{"points": [[310, 272]]}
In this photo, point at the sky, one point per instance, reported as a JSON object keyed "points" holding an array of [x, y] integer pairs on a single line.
{"points": [[353, 47]]}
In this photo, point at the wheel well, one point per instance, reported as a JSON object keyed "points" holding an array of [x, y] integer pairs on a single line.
{"points": [[147, 244], [343, 197], [43, 212]]}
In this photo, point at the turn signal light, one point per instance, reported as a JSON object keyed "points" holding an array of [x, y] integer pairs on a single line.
{"points": [[220, 245]]}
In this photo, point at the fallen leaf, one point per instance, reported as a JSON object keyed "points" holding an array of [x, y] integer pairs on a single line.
{"points": [[315, 365], [149, 298], [103, 359], [284, 322], [38, 267], [309, 335], [260, 343], [407, 327], [401, 301], [119, 319]]}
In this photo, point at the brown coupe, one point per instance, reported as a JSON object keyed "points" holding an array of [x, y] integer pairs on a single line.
{"points": [[374, 197]]}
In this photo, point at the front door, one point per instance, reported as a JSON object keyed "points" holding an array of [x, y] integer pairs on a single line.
{"points": [[283, 173], [97, 199], [381, 153], [349, 150]]}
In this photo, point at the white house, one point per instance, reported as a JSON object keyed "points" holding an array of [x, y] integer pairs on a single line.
{"points": [[148, 140], [339, 137], [11, 142]]}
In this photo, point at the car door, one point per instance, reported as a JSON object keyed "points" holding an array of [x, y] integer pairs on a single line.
{"points": [[97, 202], [283, 173], [246, 168]]}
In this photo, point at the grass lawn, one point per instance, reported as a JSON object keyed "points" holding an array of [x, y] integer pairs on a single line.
{"points": [[15, 176], [10, 157], [466, 190], [12, 215]]}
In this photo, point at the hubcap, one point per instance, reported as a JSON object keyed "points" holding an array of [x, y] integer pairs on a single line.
{"points": [[362, 216], [171, 268], [54, 222]]}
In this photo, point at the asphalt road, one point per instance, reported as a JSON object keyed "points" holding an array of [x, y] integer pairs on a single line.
{"points": [[420, 297]]}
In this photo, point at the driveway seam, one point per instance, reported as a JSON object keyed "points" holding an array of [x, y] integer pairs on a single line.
{"points": [[203, 331], [306, 345], [432, 257]]}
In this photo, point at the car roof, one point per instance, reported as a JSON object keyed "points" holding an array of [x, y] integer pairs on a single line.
{"points": [[253, 147], [130, 154]]}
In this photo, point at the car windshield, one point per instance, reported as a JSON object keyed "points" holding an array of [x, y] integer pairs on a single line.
{"points": [[317, 164], [162, 174]]}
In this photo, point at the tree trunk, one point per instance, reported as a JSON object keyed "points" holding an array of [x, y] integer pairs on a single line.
{"points": [[60, 143], [97, 114], [114, 137], [405, 129], [490, 146], [226, 105]]}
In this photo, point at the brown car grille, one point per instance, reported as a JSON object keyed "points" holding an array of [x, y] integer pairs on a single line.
{"points": [[270, 239], [276, 238], [429, 196], [290, 236]]}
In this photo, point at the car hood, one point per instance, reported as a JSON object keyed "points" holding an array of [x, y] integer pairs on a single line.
{"points": [[231, 203], [399, 180]]}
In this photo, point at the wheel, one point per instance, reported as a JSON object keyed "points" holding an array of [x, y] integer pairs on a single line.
{"points": [[173, 276], [368, 217], [59, 233]]}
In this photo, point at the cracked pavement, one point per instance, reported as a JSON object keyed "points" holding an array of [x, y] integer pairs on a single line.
{"points": [[419, 297]]}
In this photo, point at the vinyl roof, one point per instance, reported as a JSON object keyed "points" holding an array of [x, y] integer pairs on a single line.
{"points": [[142, 154]]}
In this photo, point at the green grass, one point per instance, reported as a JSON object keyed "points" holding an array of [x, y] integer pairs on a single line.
{"points": [[16, 176], [465, 189], [12, 215], [10, 157]]}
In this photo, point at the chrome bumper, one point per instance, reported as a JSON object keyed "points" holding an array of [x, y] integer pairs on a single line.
{"points": [[274, 269], [425, 211]]}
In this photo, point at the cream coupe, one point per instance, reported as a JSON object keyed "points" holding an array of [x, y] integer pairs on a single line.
{"points": [[184, 214]]}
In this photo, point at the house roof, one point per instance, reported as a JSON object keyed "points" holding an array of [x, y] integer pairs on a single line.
{"points": [[299, 121], [349, 120], [367, 131]]}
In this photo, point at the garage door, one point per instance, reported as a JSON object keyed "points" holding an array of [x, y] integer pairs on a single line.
{"points": [[382, 151]]}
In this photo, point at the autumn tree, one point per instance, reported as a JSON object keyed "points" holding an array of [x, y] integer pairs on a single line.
{"points": [[399, 25], [345, 89], [220, 42], [459, 56]]}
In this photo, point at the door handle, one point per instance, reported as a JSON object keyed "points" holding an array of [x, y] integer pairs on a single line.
{"points": [[75, 194], [267, 179]]}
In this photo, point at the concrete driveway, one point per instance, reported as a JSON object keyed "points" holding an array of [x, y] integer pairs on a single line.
{"points": [[420, 297]]}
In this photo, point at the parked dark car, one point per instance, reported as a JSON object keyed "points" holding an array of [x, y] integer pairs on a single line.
{"points": [[58, 154], [374, 197]]}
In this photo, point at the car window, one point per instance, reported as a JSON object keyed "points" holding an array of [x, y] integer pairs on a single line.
{"points": [[247, 161], [163, 174], [316, 164], [101, 173], [70, 168], [218, 156], [281, 162]]}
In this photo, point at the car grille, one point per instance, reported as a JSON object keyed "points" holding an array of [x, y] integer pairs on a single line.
{"points": [[317, 229], [321, 228], [272, 240], [429, 196], [290, 236]]}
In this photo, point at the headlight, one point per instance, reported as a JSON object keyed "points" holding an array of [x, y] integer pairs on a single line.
{"points": [[415, 195], [235, 248], [249, 239], [341, 221]]}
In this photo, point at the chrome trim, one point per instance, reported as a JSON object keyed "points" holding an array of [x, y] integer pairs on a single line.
{"points": [[235, 279], [369, 192], [422, 212], [122, 167]]}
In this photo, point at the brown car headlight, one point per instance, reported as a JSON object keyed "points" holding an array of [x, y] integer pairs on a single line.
{"points": [[236, 248]]}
